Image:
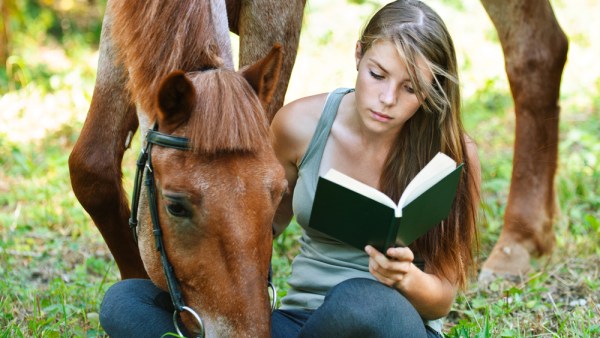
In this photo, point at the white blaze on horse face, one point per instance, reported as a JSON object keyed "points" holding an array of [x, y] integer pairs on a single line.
{"points": [[240, 187]]}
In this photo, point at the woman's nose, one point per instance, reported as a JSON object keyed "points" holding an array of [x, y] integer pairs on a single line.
{"points": [[388, 96]]}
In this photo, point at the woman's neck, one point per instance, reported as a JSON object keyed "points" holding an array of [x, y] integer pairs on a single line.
{"points": [[354, 149]]}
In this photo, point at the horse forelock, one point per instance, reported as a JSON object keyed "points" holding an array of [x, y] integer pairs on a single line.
{"points": [[228, 116], [156, 37]]}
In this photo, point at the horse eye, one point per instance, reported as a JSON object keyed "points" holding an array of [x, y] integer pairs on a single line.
{"points": [[178, 210]]}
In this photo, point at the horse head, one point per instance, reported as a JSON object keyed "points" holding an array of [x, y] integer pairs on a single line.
{"points": [[215, 202]]}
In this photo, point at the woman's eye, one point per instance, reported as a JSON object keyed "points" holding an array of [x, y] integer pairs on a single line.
{"points": [[409, 89], [375, 75], [178, 210]]}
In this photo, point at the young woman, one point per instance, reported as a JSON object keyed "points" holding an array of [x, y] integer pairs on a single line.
{"points": [[405, 108]]}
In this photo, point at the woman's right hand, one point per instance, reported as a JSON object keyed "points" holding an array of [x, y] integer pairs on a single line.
{"points": [[393, 268]]}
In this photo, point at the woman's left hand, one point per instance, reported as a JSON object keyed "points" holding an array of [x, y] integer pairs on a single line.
{"points": [[392, 270]]}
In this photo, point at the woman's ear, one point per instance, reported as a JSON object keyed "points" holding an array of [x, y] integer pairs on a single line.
{"points": [[358, 53]]}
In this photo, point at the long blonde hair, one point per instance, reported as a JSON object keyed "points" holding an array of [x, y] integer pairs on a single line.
{"points": [[420, 34]]}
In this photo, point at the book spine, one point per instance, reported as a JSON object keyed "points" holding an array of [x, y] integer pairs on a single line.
{"points": [[393, 232]]}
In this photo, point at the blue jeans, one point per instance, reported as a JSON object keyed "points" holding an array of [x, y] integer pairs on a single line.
{"points": [[354, 308]]}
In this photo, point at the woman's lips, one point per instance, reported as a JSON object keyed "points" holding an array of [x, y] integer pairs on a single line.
{"points": [[380, 116]]}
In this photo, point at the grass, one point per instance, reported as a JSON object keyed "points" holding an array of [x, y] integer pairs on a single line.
{"points": [[55, 267]]}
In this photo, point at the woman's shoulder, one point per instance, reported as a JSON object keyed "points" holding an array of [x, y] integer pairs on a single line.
{"points": [[307, 109], [295, 123]]}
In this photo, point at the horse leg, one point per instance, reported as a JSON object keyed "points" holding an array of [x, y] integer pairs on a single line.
{"points": [[535, 50], [261, 24], [95, 162]]}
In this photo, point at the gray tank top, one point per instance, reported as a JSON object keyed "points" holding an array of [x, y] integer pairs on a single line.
{"points": [[323, 261]]}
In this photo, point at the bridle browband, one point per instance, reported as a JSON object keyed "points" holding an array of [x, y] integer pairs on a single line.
{"points": [[144, 164]]}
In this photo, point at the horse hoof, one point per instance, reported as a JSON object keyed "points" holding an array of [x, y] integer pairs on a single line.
{"points": [[508, 261], [486, 277]]}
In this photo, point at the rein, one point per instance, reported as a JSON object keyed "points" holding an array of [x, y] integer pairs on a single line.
{"points": [[144, 164], [154, 137]]}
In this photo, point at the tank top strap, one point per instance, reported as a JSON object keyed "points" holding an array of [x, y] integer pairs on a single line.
{"points": [[311, 161]]}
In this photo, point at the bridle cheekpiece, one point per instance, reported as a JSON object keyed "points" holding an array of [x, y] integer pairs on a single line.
{"points": [[144, 164]]}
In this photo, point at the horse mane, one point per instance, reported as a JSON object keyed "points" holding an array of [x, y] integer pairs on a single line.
{"points": [[156, 37], [228, 116]]}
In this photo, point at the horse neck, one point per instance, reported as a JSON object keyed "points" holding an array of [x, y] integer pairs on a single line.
{"points": [[156, 37], [218, 12]]}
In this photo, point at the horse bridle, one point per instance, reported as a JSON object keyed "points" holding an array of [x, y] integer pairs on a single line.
{"points": [[144, 161], [154, 137]]}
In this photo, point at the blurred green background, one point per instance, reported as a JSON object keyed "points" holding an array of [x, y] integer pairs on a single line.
{"points": [[55, 266]]}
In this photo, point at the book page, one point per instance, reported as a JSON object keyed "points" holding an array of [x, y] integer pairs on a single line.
{"points": [[359, 187], [439, 167]]}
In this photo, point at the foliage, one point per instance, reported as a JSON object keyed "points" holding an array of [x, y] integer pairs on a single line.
{"points": [[53, 279], [33, 26], [561, 298]]}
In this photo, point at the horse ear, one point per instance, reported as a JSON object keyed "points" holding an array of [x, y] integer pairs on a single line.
{"points": [[264, 74], [176, 98]]}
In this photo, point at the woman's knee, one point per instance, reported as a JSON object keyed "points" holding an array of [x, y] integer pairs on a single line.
{"points": [[374, 308], [368, 293], [128, 289], [124, 300]]}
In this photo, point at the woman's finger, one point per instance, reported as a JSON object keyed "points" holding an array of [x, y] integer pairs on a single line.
{"points": [[401, 254], [389, 265]]}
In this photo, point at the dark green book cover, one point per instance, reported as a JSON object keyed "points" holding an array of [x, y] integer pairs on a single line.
{"points": [[358, 220]]}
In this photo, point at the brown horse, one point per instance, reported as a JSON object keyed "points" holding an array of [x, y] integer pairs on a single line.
{"points": [[216, 194]]}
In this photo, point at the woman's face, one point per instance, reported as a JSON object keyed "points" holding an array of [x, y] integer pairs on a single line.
{"points": [[385, 98]]}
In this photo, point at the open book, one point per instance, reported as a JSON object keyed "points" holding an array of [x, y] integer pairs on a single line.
{"points": [[358, 214]]}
